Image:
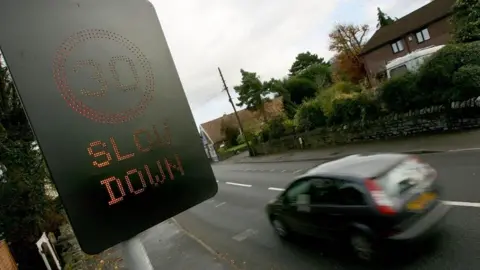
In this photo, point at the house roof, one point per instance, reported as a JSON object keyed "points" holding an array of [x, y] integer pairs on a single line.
{"points": [[251, 120], [433, 11]]}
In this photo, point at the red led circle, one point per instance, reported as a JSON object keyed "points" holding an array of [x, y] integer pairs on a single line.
{"points": [[60, 77]]}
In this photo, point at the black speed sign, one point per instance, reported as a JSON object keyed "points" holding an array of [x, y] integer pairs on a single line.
{"points": [[103, 97]]}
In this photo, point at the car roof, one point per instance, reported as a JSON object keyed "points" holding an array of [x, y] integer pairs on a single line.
{"points": [[357, 167]]}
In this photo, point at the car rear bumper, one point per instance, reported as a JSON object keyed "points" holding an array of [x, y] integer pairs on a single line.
{"points": [[425, 225]]}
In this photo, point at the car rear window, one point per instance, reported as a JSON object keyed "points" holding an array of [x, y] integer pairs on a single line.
{"points": [[404, 176]]}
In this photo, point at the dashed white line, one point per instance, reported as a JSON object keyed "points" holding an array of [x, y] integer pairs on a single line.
{"points": [[284, 170], [453, 203], [466, 204], [272, 170], [464, 149], [297, 171], [220, 204], [244, 235], [238, 184], [276, 189]]}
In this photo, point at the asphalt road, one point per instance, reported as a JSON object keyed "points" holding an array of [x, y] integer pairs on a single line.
{"points": [[234, 224]]}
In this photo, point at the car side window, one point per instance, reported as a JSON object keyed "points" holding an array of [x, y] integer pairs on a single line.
{"points": [[298, 188], [324, 191], [351, 196]]}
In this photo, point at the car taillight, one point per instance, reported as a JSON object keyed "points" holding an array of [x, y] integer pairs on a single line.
{"points": [[383, 202]]}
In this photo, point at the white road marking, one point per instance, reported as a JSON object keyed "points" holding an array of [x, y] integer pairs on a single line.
{"points": [[466, 204], [238, 184], [220, 204], [297, 171], [284, 170], [244, 235], [464, 149], [272, 170], [276, 189]]}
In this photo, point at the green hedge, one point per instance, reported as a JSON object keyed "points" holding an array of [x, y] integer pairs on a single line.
{"points": [[436, 81], [338, 90], [400, 94], [355, 108], [451, 74], [467, 82], [309, 115]]}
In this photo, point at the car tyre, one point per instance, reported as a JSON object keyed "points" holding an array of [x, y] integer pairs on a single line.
{"points": [[280, 228], [362, 246]]}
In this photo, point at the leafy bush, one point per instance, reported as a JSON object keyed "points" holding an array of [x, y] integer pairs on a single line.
{"points": [[230, 133], [436, 77], [289, 126], [277, 127], [349, 109], [309, 115], [467, 82], [466, 21], [240, 139], [338, 90], [400, 94]]}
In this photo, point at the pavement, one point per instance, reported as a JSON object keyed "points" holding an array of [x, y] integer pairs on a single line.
{"points": [[233, 223], [414, 145], [170, 247]]}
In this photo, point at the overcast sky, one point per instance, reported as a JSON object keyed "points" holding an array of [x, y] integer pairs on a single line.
{"points": [[256, 35]]}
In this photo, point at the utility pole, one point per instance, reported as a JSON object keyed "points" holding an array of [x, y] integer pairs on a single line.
{"points": [[251, 152]]}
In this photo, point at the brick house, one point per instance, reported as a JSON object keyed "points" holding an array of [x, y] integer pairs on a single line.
{"points": [[211, 131], [424, 27]]}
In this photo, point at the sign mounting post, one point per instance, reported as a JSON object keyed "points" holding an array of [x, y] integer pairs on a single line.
{"points": [[107, 107]]}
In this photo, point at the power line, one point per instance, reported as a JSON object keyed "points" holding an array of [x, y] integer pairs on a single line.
{"points": [[208, 99]]}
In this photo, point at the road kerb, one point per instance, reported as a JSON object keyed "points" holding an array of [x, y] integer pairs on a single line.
{"points": [[329, 158]]}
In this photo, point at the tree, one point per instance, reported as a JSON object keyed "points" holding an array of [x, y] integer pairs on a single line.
{"points": [[278, 88], [319, 74], [348, 38], [348, 41], [252, 93], [275, 86], [300, 89], [24, 205], [347, 68], [303, 61], [466, 21], [383, 19]]}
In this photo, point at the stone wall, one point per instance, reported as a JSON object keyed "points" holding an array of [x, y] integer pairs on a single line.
{"points": [[461, 116]]}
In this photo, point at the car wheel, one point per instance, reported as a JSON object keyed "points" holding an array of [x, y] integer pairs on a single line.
{"points": [[362, 246], [280, 228]]}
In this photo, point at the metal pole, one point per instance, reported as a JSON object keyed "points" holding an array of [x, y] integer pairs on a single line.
{"points": [[250, 149], [135, 255]]}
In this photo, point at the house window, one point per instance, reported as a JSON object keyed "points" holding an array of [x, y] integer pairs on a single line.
{"points": [[397, 46], [398, 71], [423, 35]]}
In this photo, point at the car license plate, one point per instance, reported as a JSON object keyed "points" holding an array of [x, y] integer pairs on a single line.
{"points": [[421, 201]]}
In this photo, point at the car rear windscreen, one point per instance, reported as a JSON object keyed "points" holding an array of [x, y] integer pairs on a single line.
{"points": [[405, 176]]}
